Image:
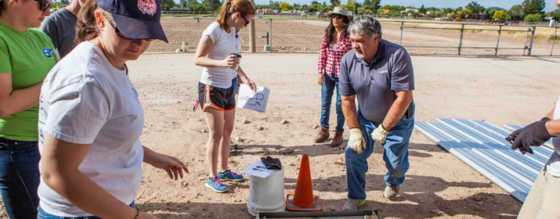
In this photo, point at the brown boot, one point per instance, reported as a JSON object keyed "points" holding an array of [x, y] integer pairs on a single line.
{"points": [[322, 136], [337, 140]]}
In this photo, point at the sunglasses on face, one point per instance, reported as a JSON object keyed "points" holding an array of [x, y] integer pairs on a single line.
{"points": [[246, 20], [44, 4]]}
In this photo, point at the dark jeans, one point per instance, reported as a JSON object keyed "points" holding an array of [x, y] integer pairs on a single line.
{"points": [[327, 90], [19, 177], [45, 215]]}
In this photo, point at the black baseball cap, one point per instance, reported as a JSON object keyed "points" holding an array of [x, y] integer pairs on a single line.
{"points": [[136, 19]]}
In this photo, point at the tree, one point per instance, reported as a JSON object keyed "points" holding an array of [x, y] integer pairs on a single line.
{"points": [[285, 6], [489, 12], [335, 2], [475, 8], [194, 5], [533, 6], [165, 4], [555, 14], [183, 3], [530, 18], [369, 7], [501, 16], [212, 5], [422, 9], [516, 12], [350, 5]]}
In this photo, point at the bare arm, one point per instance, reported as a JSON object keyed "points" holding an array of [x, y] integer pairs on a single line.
{"points": [[552, 126], [204, 46], [173, 166], [349, 110], [397, 109], [14, 101], [245, 79], [59, 169]]}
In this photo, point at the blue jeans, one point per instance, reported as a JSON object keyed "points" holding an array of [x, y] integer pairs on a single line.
{"points": [[19, 177], [44, 215], [395, 155], [327, 90]]}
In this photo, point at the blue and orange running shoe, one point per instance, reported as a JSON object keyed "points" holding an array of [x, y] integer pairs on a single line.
{"points": [[230, 175], [215, 184]]}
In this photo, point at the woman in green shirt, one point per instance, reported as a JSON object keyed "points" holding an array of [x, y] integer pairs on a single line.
{"points": [[26, 56]]}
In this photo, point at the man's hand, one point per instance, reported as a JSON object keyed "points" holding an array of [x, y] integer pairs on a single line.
{"points": [[320, 79], [534, 134], [379, 134], [356, 140]]}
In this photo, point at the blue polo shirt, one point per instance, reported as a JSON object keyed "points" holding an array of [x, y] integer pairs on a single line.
{"points": [[375, 83]]}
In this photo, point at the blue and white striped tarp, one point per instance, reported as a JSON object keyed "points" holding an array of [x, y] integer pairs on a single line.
{"points": [[515, 127], [482, 146]]}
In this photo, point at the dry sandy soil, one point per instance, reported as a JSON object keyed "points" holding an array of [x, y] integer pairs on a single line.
{"points": [[305, 36], [438, 185], [502, 90]]}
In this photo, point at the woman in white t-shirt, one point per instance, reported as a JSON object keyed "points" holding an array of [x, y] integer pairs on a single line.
{"points": [[218, 54], [542, 201], [90, 117]]}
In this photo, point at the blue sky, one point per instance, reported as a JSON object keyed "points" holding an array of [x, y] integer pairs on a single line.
{"points": [[550, 4]]}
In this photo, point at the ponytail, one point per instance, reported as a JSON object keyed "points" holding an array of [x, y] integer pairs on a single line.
{"points": [[86, 27], [245, 7]]}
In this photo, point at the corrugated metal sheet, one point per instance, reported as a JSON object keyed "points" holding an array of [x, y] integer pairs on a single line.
{"points": [[482, 146]]}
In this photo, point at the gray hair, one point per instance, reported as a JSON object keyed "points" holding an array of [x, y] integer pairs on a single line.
{"points": [[365, 24]]}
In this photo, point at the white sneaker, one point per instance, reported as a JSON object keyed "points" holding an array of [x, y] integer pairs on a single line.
{"points": [[391, 191], [353, 204]]}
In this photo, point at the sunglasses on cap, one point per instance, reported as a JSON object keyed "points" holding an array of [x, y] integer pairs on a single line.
{"points": [[44, 4]]}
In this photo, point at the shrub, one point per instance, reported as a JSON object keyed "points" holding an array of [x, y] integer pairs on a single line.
{"points": [[533, 18]]}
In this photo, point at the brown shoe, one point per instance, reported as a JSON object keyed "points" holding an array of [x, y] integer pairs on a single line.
{"points": [[322, 136], [337, 140]]}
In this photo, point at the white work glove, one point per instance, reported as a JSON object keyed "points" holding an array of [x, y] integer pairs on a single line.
{"points": [[356, 140], [379, 135]]}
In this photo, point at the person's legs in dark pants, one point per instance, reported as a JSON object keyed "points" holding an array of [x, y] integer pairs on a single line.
{"points": [[338, 137], [327, 90], [19, 178]]}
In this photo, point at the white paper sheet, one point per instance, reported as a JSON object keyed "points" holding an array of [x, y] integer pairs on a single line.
{"points": [[256, 101], [258, 169]]}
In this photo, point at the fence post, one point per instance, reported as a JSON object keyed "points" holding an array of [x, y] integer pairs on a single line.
{"points": [[498, 43], [554, 39], [402, 30], [532, 40], [461, 38], [199, 27], [270, 31]]}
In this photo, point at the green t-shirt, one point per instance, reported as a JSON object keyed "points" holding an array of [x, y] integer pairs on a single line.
{"points": [[28, 57]]}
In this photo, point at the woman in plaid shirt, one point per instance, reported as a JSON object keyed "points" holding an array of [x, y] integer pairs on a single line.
{"points": [[336, 43]]}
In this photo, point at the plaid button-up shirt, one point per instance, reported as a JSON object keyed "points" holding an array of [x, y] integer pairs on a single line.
{"points": [[330, 55]]}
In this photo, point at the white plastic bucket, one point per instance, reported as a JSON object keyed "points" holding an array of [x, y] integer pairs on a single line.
{"points": [[266, 194]]}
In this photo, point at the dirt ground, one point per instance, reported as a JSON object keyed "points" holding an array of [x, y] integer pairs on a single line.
{"points": [[438, 185], [304, 36], [500, 90]]}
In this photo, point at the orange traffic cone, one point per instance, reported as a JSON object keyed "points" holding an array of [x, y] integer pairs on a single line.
{"points": [[303, 199]]}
